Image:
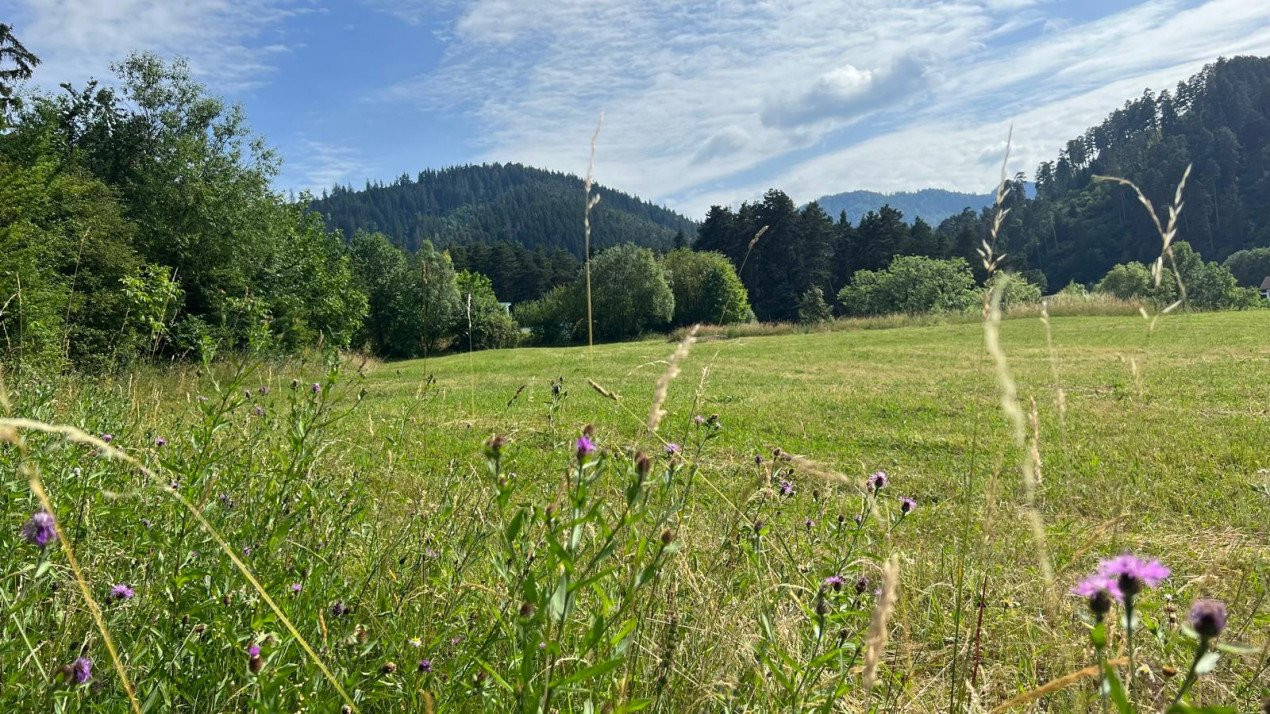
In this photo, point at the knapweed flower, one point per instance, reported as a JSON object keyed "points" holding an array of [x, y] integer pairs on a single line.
{"points": [[586, 447], [1208, 617], [859, 518], [296, 587], [1132, 574], [698, 420], [672, 448], [1098, 592], [160, 441], [786, 488], [834, 581], [39, 530], [808, 524], [258, 410], [316, 388], [81, 670], [339, 609], [254, 663], [121, 592], [877, 481], [107, 438], [861, 584], [425, 666], [907, 505]]}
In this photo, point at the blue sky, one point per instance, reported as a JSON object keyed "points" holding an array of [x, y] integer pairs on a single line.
{"points": [[705, 102]]}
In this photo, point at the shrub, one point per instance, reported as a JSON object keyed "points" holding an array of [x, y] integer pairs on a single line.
{"points": [[706, 289], [629, 293], [812, 308], [483, 323], [1018, 290], [911, 284], [1249, 267]]}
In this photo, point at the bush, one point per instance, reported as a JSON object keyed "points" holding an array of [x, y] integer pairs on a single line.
{"points": [[1018, 290], [629, 293], [706, 289], [491, 326], [911, 284], [1249, 267], [1209, 286], [554, 318], [812, 308]]}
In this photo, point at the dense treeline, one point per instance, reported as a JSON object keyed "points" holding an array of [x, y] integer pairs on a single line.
{"points": [[1073, 229], [498, 202], [516, 272], [138, 220], [1218, 121]]}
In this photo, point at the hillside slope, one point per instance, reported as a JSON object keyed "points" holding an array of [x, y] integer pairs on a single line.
{"points": [[498, 202], [930, 204]]}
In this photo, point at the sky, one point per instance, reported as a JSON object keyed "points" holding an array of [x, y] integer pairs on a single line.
{"points": [[703, 102]]}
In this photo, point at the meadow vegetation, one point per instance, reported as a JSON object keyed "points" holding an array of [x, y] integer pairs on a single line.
{"points": [[715, 563]]}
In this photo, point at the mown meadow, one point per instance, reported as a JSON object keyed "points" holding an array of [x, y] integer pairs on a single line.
{"points": [[502, 530]]}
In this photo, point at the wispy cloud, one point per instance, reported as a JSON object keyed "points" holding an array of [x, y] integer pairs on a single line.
{"points": [[715, 101], [229, 45], [318, 165]]}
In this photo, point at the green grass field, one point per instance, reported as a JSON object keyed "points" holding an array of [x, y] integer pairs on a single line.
{"points": [[1160, 448]]}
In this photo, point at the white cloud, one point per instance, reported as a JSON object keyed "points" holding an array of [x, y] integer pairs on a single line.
{"points": [[78, 39], [715, 101], [320, 165]]}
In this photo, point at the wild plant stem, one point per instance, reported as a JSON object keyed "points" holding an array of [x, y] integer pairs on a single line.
{"points": [[1191, 676]]}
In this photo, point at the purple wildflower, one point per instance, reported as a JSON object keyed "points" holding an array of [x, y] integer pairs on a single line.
{"points": [[253, 651], [39, 529], [1132, 574], [1098, 592], [1208, 617], [834, 581], [698, 420], [877, 481], [81, 670], [455, 640], [160, 441], [339, 609], [672, 448], [859, 518], [861, 584], [316, 388], [586, 447], [808, 524], [107, 438], [121, 592], [425, 666], [258, 410], [264, 389], [786, 488], [296, 587], [907, 505]]}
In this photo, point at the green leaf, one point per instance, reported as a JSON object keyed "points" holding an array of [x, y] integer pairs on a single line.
{"points": [[1115, 691], [560, 598], [595, 670], [1184, 708], [501, 682], [1237, 649]]}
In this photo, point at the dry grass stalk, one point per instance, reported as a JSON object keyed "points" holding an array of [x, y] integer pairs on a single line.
{"points": [[672, 370], [1060, 395], [1055, 685], [876, 640], [1035, 451], [586, 226], [818, 470], [1014, 414], [602, 391], [9, 429], [1167, 232]]}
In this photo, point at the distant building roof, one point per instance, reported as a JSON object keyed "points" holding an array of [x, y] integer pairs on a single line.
{"points": [[1265, 284]]}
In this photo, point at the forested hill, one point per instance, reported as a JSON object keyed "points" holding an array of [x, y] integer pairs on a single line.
{"points": [[1218, 121], [499, 202], [930, 204]]}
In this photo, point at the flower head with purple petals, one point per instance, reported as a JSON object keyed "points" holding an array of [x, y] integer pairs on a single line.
{"points": [[834, 581], [1132, 574], [586, 447], [160, 441], [107, 438], [1098, 592], [425, 665], [877, 481], [121, 592], [39, 530], [81, 670], [786, 488], [907, 505], [1208, 617], [672, 449]]}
